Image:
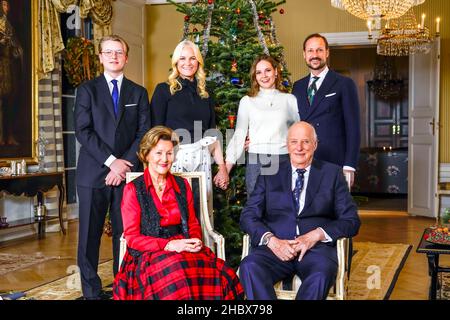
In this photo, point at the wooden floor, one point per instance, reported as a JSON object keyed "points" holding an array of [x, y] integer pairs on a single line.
{"points": [[377, 226]]}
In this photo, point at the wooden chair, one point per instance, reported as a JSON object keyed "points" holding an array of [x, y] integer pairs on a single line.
{"points": [[338, 291], [211, 238]]}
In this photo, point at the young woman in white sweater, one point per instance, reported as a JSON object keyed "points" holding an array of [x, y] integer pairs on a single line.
{"points": [[265, 115]]}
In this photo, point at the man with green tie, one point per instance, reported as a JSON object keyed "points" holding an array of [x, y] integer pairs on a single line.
{"points": [[329, 102]]}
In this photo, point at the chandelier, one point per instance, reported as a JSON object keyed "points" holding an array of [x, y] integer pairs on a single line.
{"points": [[371, 9], [402, 37], [386, 84], [376, 9]]}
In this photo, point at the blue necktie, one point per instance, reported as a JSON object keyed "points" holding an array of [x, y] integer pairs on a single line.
{"points": [[115, 96], [298, 187]]}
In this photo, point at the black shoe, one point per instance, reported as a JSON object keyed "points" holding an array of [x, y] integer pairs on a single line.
{"points": [[91, 298]]}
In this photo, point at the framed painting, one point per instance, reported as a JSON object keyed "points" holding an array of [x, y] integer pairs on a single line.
{"points": [[18, 80]]}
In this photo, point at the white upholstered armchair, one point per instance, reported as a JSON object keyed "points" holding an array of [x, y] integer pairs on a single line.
{"points": [[338, 291], [211, 238]]}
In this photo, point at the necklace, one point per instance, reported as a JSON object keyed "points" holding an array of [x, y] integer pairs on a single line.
{"points": [[271, 97], [160, 184]]}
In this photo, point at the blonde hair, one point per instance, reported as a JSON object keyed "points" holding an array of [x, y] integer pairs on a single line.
{"points": [[254, 88], [200, 75], [114, 37], [151, 139]]}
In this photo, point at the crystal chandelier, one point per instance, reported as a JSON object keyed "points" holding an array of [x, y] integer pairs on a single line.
{"points": [[375, 10], [371, 9], [402, 37], [386, 84]]}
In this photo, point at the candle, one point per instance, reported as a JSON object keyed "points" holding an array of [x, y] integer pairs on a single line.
{"points": [[423, 20], [437, 24], [369, 25]]}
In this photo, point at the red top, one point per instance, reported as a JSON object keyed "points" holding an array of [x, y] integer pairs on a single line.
{"points": [[167, 208]]}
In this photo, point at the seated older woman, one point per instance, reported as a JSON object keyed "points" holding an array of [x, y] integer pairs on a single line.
{"points": [[165, 258]]}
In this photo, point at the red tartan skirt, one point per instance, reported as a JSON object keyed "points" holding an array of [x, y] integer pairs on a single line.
{"points": [[166, 275]]}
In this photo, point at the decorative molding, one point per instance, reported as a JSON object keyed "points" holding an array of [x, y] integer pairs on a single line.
{"points": [[164, 1], [444, 172], [138, 3], [350, 38]]}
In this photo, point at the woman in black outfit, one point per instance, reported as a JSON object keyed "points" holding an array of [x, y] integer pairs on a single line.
{"points": [[184, 105]]}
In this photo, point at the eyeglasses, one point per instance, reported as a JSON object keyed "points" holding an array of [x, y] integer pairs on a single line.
{"points": [[110, 53]]}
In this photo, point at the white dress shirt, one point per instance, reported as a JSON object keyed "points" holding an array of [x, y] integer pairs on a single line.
{"points": [[119, 79], [321, 76], [303, 196]]}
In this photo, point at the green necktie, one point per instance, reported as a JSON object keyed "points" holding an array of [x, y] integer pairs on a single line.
{"points": [[312, 89]]}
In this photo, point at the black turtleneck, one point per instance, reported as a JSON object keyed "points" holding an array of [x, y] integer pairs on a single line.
{"points": [[182, 109]]}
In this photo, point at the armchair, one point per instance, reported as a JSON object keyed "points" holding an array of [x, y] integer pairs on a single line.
{"points": [[338, 291], [211, 238]]}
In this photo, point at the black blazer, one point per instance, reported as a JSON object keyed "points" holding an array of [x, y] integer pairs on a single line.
{"points": [[101, 134], [335, 116]]}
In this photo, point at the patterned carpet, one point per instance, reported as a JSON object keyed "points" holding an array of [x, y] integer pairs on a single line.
{"points": [[375, 269], [12, 262]]}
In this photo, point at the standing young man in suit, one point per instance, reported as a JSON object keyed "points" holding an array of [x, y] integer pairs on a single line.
{"points": [[294, 219], [112, 114], [329, 102]]}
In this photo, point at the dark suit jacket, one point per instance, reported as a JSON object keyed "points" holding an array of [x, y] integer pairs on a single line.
{"points": [[328, 204], [101, 134], [335, 116]]}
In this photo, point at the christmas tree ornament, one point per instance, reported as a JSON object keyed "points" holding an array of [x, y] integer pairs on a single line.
{"points": [[234, 66], [238, 11], [195, 30], [240, 24], [235, 81], [281, 11], [210, 1], [186, 18], [231, 120], [267, 22]]}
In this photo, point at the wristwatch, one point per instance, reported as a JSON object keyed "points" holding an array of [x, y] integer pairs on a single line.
{"points": [[266, 239]]}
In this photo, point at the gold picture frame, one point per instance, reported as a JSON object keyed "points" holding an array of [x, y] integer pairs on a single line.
{"points": [[19, 25]]}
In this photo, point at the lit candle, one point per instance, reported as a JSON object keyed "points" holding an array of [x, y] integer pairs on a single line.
{"points": [[438, 20], [369, 25], [423, 20]]}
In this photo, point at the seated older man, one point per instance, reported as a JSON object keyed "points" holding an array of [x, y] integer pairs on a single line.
{"points": [[294, 218]]}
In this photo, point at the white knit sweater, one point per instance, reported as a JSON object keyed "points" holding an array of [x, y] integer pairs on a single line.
{"points": [[266, 118]]}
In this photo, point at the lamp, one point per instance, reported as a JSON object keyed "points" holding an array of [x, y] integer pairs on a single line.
{"points": [[386, 84], [402, 37]]}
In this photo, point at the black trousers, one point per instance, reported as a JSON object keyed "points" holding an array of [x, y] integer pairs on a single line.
{"points": [[93, 206]]}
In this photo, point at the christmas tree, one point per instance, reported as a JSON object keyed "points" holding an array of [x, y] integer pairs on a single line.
{"points": [[231, 34]]}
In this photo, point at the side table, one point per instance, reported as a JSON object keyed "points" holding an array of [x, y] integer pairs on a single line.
{"points": [[35, 184], [433, 251]]}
